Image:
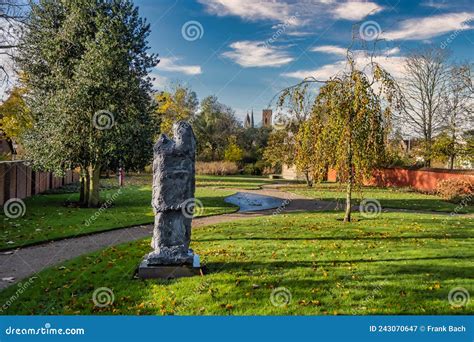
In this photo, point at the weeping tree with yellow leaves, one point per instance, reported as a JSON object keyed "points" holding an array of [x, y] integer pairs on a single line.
{"points": [[348, 125]]}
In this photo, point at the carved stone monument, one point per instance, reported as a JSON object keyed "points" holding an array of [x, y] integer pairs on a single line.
{"points": [[173, 205]]}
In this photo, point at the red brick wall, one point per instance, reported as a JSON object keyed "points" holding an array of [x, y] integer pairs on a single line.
{"points": [[423, 180]]}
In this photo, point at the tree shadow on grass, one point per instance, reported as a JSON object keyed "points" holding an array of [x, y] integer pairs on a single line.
{"points": [[217, 267], [340, 238]]}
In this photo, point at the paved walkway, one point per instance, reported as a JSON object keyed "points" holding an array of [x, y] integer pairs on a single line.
{"points": [[22, 263]]}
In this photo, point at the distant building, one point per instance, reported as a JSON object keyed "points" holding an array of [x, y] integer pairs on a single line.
{"points": [[267, 118], [249, 122]]}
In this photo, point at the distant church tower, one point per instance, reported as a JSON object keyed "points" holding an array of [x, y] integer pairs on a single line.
{"points": [[267, 118], [249, 122]]}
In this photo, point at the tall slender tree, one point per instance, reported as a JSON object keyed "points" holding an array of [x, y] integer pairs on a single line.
{"points": [[423, 89], [458, 109]]}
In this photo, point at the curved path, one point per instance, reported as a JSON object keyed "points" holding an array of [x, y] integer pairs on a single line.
{"points": [[22, 263]]}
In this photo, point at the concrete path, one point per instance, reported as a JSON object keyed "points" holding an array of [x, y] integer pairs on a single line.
{"points": [[22, 263]]}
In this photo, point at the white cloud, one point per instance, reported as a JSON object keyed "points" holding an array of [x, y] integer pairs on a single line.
{"points": [[248, 9], [428, 27], [7, 76], [299, 33], [355, 10], [302, 12], [331, 49], [159, 81], [171, 64], [392, 51], [322, 73], [257, 54], [393, 64]]}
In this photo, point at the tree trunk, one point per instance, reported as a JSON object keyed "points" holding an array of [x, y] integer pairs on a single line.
{"points": [[309, 182], [87, 187], [428, 152], [451, 162], [350, 181], [347, 216], [94, 179], [82, 190]]}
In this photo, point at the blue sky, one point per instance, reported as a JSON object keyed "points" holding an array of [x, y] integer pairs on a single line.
{"points": [[245, 51]]}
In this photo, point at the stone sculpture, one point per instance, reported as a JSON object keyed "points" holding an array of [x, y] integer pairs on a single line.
{"points": [[173, 204]]}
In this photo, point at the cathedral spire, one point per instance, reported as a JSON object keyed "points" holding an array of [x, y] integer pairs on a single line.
{"points": [[247, 122]]}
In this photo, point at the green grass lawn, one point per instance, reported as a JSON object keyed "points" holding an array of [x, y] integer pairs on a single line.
{"points": [[397, 263], [397, 198], [47, 217]]}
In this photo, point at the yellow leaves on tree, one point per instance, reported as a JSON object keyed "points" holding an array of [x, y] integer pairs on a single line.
{"points": [[15, 118], [179, 104]]}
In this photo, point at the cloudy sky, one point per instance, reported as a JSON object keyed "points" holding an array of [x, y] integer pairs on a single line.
{"points": [[245, 51]]}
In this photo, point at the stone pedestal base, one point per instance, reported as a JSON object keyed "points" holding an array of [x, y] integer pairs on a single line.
{"points": [[166, 272]]}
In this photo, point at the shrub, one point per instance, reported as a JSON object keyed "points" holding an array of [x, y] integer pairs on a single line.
{"points": [[256, 169], [455, 190], [249, 169], [217, 168]]}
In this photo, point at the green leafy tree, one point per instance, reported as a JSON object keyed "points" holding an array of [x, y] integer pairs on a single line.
{"points": [[253, 142], [179, 104], [467, 149], [233, 152], [280, 149], [444, 148], [213, 126], [15, 116], [88, 88]]}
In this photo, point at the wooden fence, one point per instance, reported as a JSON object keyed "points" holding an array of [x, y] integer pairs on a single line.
{"points": [[18, 180]]}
